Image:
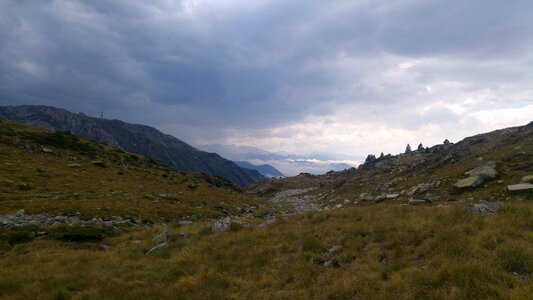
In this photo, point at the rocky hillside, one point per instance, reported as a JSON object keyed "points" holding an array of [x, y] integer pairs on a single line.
{"points": [[133, 138], [485, 167]]}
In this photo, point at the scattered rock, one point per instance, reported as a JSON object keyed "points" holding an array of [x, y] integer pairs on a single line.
{"points": [[422, 188], [329, 264], [20, 218], [483, 208], [334, 249], [527, 179], [431, 197], [73, 165], [366, 197], [46, 150], [520, 187], [338, 206], [392, 196], [163, 236], [221, 225], [184, 222], [157, 248], [380, 198]]}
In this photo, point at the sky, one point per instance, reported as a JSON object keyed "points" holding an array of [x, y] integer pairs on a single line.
{"points": [[348, 77]]}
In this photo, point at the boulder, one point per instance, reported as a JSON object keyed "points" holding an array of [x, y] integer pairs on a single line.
{"points": [[486, 171], [221, 225], [469, 182], [520, 187], [527, 179], [483, 208], [392, 196]]}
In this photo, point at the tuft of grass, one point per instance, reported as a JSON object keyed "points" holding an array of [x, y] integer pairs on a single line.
{"points": [[9, 286], [516, 258]]}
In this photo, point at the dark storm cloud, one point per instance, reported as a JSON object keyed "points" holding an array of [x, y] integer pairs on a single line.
{"points": [[211, 65]]}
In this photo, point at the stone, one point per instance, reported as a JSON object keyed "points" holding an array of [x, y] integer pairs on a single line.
{"points": [[338, 206], [483, 208], [184, 222], [157, 248], [520, 187], [163, 236], [469, 182], [416, 202], [73, 165], [380, 198], [221, 225], [431, 197], [392, 196], [527, 179], [334, 249], [102, 246], [183, 235], [486, 171], [46, 150]]}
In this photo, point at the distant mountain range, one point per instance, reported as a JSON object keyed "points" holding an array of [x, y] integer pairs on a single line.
{"points": [[265, 169], [140, 139], [288, 164]]}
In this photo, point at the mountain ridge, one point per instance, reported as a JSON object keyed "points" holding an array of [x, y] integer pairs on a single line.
{"points": [[137, 138]]}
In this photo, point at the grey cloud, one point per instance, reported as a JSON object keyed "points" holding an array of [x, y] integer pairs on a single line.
{"points": [[256, 65]]}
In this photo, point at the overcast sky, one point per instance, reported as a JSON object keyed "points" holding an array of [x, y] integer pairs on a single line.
{"points": [[352, 77]]}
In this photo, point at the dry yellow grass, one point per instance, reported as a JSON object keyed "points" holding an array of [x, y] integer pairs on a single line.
{"points": [[388, 252]]}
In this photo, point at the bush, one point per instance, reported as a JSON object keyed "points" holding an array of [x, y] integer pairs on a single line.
{"points": [[60, 139], [20, 237]]}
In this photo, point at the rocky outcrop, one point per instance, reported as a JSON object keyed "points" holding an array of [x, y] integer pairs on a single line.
{"points": [[483, 208], [478, 176], [20, 219], [221, 225]]}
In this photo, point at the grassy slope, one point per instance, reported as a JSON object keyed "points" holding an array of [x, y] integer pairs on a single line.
{"points": [[389, 250], [129, 186]]}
